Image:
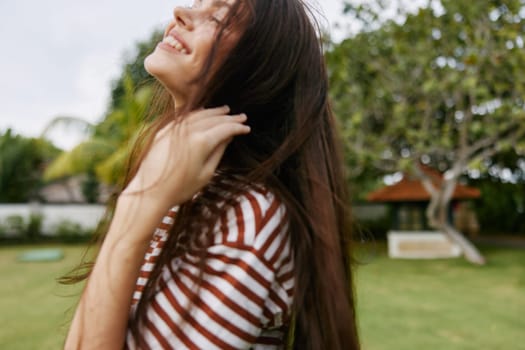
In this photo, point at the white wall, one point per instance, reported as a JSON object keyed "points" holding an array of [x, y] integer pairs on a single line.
{"points": [[87, 215]]}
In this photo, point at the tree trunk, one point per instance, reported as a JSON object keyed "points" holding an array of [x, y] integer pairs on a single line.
{"points": [[470, 251], [438, 219]]}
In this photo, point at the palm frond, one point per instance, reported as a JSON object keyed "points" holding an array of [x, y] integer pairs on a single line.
{"points": [[69, 122], [79, 160]]}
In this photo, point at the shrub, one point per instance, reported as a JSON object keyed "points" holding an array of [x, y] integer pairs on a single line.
{"points": [[370, 230], [33, 230], [15, 225], [71, 232]]}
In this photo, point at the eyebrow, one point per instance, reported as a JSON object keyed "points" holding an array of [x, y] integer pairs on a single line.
{"points": [[220, 3]]}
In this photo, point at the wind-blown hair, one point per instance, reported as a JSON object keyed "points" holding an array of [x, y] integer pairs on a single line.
{"points": [[276, 75]]}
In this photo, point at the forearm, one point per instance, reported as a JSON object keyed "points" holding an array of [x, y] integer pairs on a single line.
{"points": [[164, 178], [101, 317]]}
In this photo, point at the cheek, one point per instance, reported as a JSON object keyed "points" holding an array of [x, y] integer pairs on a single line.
{"points": [[229, 40], [222, 52]]}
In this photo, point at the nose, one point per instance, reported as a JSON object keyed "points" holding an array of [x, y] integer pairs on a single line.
{"points": [[183, 17]]}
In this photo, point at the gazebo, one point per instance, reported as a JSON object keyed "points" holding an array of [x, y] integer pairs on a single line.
{"points": [[409, 198]]}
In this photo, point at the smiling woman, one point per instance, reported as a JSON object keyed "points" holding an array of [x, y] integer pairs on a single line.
{"points": [[188, 40], [232, 229]]}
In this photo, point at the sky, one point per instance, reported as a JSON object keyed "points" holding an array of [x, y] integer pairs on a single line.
{"points": [[59, 56]]}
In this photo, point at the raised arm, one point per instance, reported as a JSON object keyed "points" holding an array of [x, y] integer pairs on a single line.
{"points": [[165, 178]]}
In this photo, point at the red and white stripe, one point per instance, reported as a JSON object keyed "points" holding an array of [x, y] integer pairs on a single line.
{"points": [[246, 293]]}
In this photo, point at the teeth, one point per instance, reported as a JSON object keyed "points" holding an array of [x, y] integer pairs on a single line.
{"points": [[175, 44]]}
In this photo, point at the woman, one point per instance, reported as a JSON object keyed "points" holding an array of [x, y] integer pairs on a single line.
{"points": [[254, 250]]}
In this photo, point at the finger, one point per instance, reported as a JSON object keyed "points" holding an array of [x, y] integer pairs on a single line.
{"points": [[212, 122], [208, 112], [223, 132]]}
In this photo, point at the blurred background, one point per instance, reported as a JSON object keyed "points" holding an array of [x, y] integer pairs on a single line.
{"points": [[430, 101]]}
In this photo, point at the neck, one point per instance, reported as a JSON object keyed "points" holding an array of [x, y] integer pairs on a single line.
{"points": [[178, 101]]}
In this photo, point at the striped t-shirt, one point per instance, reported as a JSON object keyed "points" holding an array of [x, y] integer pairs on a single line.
{"points": [[245, 297]]}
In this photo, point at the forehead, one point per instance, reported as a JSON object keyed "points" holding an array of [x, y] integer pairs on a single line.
{"points": [[212, 3], [219, 7]]}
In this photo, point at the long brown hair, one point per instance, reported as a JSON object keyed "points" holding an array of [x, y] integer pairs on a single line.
{"points": [[276, 75]]}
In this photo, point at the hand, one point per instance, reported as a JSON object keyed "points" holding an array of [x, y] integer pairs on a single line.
{"points": [[184, 155]]}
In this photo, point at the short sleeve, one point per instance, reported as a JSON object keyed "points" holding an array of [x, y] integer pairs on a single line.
{"points": [[245, 287]]}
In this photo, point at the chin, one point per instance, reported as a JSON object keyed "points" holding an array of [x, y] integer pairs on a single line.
{"points": [[156, 68], [151, 65]]}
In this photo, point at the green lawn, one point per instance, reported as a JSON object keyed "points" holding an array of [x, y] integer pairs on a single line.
{"points": [[446, 304], [403, 305], [34, 309]]}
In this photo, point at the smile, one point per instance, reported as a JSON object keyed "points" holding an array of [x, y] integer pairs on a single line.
{"points": [[173, 42]]}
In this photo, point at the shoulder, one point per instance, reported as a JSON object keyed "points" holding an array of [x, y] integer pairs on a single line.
{"points": [[257, 221]]}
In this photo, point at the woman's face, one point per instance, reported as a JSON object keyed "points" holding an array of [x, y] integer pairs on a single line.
{"points": [[188, 40]]}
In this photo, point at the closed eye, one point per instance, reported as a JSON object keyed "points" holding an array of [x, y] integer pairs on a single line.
{"points": [[215, 19]]}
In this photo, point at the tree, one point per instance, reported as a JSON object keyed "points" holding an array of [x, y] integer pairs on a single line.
{"points": [[108, 143], [134, 69], [103, 155], [22, 161], [444, 88], [501, 209]]}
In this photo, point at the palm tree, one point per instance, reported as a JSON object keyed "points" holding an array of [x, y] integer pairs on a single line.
{"points": [[107, 144]]}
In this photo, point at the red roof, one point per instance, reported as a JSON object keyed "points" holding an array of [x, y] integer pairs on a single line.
{"points": [[410, 189]]}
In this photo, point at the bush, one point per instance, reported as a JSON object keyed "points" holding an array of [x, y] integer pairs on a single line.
{"points": [[501, 207], [71, 232], [12, 230], [369, 230], [33, 230], [15, 225], [15, 229]]}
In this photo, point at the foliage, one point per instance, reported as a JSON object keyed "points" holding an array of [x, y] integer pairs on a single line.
{"points": [[15, 225], [134, 69], [90, 188], [109, 142], [71, 232], [105, 152], [33, 229], [416, 91], [21, 166], [444, 88], [501, 208], [81, 159], [18, 229], [372, 229]]}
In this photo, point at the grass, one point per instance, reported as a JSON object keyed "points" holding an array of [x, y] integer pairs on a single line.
{"points": [[34, 309], [445, 304], [442, 304]]}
